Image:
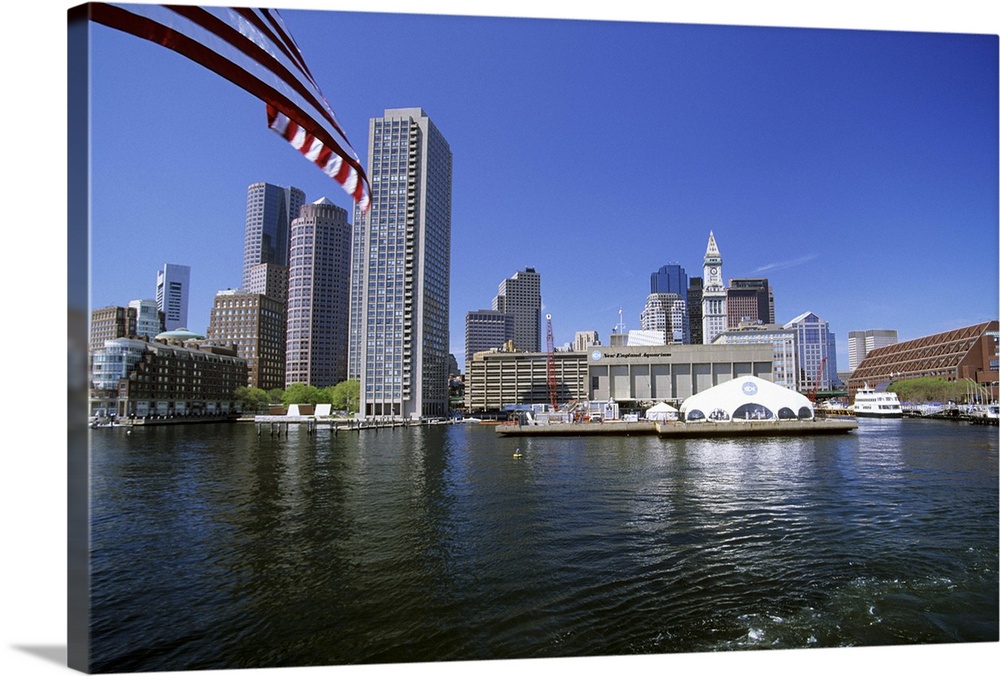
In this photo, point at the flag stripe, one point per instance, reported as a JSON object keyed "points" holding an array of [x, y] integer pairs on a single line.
{"points": [[243, 55]]}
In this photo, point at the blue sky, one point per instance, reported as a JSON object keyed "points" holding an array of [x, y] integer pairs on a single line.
{"points": [[855, 169]]}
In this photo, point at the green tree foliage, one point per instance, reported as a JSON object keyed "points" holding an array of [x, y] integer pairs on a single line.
{"points": [[251, 399], [275, 396], [347, 396], [919, 390], [300, 393]]}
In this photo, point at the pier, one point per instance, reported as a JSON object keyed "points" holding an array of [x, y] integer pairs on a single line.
{"points": [[278, 424], [681, 430]]}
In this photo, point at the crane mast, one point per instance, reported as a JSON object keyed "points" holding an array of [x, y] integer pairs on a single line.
{"points": [[550, 361]]}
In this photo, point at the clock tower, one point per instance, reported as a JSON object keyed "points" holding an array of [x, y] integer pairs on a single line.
{"points": [[713, 297]]}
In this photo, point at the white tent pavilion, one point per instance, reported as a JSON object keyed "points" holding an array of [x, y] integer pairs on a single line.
{"points": [[661, 411], [746, 399]]}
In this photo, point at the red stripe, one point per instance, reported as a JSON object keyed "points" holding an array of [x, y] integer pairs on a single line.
{"points": [[323, 157], [148, 29]]}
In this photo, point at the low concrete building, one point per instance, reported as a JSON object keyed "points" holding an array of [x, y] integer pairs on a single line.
{"points": [[495, 379], [629, 375]]}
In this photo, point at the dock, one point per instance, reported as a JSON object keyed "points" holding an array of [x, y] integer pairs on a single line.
{"points": [[685, 430]]}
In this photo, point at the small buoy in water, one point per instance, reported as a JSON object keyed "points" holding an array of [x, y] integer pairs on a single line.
{"points": [[517, 453]]}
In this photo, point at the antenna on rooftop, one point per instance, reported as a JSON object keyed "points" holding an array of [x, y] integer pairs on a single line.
{"points": [[620, 327]]}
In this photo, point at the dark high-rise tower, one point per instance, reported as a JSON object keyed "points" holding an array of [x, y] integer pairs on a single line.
{"points": [[749, 300], [270, 211]]}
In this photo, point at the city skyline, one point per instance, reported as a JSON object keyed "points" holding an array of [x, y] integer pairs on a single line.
{"points": [[839, 165]]}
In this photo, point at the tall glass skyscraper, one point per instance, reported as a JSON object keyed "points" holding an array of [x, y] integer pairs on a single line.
{"points": [[400, 270], [270, 211], [671, 278]]}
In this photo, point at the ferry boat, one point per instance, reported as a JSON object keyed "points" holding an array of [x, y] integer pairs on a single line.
{"points": [[871, 404]]}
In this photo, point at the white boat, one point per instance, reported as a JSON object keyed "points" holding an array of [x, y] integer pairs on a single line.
{"points": [[871, 404]]}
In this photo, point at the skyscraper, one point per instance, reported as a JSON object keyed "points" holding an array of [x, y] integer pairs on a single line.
{"points": [[400, 270], [817, 345], [270, 211], [860, 343], [713, 296], [695, 286], [319, 252], [172, 284], [521, 297]]}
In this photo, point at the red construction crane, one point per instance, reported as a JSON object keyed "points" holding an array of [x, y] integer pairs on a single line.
{"points": [[550, 361], [815, 385]]}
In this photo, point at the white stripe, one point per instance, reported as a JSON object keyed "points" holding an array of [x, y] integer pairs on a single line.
{"points": [[299, 139], [280, 123], [332, 167]]}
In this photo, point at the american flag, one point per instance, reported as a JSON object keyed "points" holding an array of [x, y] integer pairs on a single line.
{"points": [[253, 49]]}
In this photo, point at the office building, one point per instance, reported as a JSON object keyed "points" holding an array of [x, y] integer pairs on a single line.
{"points": [[817, 352], [269, 213], [172, 289], [695, 285], [486, 330], [254, 324], [149, 321], [521, 297], [318, 278], [584, 340], [714, 319], [111, 322], [667, 314], [749, 301], [860, 343], [784, 345], [400, 270]]}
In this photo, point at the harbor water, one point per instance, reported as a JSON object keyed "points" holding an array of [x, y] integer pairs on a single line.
{"points": [[216, 547]]}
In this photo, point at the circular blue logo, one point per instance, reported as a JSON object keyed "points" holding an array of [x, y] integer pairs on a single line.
{"points": [[749, 389], [596, 355]]}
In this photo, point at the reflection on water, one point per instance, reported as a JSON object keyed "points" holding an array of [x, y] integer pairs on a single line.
{"points": [[214, 547]]}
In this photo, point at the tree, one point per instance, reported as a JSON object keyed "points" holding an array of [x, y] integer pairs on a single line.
{"points": [[300, 393], [275, 396], [347, 396], [251, 398], [928, 389]]}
